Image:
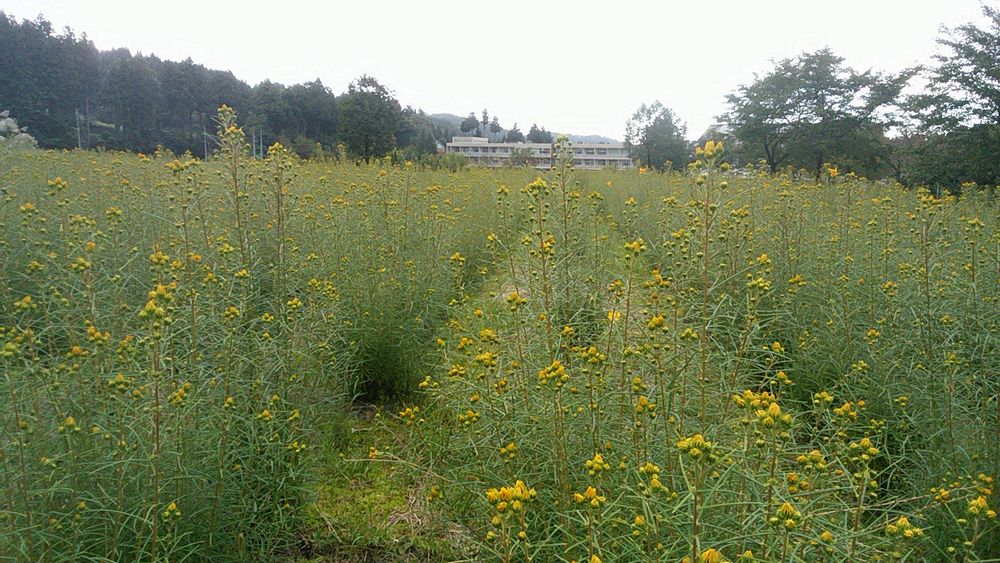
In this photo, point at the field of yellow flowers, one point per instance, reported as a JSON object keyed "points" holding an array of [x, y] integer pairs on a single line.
{"points": [[567, 365]]}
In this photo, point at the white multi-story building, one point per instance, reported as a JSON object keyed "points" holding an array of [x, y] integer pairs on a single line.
{"points": [[587, 156]]}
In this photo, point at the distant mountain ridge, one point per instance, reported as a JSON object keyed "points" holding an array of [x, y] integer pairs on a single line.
{"points": [[453, 121], [448, 119], [588, 138]]}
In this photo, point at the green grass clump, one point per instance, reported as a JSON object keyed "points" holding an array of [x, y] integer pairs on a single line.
{"points": [[369, 509]]}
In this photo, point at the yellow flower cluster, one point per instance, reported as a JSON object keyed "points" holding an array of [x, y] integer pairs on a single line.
{"points": [[410, 415], [980, 507], [710, 150], [635, 247], [591, 497], [179, 397], [863, 449], [902, 527], [787, 516], [813, 461], [753, 400], [511, 498], [847, 411], [555, 373], [468, 417], [508, 452], [592, 355], [696, 447], [69, 425], [596, 465], [773, 417], [653, 471], [710, 555]]}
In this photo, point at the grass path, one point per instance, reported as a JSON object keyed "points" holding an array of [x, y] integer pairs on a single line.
{"points": [[371, 509]]}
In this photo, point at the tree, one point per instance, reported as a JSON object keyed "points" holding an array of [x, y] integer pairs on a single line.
{"points": [[514, 135], [313, 111], [958, 126], [520, 157], [495, 126], [470, 124], [367, 118], [272, 111], [813, 109], [425, 143], [968, 73], [182, 114], [655, 136], [415, 134], [133, 96], [45, 78], [536, 135]]}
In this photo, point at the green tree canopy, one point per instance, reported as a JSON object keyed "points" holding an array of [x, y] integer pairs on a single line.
{"points": [[133, 98], [655, 136], [470, 124], [416, 135], [495, 128], [314, 112], [536, 135], [514, 135], [369, 115], [957, 133], [813, 109], [967, 74]]}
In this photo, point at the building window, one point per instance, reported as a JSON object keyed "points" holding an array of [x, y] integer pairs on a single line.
{"points": [[602, 151]]}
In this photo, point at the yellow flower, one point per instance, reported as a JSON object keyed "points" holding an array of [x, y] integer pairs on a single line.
{"points": [[977, 505], [555, 372], [591, 497], [596, 465], [636, 246]]}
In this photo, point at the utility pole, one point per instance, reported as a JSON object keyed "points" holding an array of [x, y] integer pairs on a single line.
{"points": [[79, 145], [88, 123]]}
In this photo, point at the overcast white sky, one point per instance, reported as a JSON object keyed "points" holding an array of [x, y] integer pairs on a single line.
{"points": [[577, 67]]}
